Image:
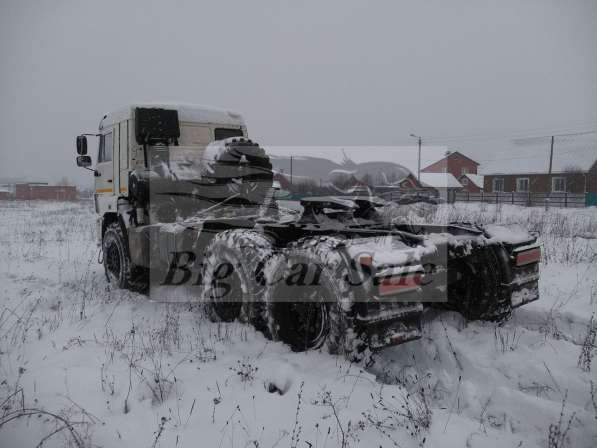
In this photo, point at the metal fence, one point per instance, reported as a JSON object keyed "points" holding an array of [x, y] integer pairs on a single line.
{"points": [[573, 200]]}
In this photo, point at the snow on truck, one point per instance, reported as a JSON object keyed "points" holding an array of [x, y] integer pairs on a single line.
{"points": [[185, 200]]}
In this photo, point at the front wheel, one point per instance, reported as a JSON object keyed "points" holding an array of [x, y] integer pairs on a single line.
{"points": [[117, 265], [116, 259]]}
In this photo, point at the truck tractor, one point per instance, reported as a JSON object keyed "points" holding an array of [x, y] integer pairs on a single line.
{"points": [[186, 210]]}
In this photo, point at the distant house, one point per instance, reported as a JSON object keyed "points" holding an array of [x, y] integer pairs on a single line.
{"points": [[396, 189], [573, 171], [42, 191], [409, 182], [282, 180], [5, 194], [444, 184], [454, 163], [9, 183], [471, 183]]}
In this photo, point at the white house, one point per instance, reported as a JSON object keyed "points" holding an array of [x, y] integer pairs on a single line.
{"points": [[445, 184]]}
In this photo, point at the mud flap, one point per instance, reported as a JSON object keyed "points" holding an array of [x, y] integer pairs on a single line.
{"points": [[524, 287], [401, 324]]}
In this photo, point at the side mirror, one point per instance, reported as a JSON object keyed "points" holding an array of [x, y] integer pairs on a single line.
{"points": [[84, 161], [81, 145]]}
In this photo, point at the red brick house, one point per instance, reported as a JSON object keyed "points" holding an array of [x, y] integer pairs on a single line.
{"points": [[455, 163], [557, 182], [569, 175], [41, 191], [471, 183]]}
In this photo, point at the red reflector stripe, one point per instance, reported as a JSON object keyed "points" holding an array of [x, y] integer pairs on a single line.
{"points": [[528, 256], [397, 284]]}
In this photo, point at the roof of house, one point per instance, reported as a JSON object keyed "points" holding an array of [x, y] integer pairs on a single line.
{"points": [[452, 153], [578, 153], [10, 180], [447, 155], [476, 179], [440, 180], [192, 113]]}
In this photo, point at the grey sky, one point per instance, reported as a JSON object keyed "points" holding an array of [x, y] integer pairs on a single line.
{"points": [[302, 73]]}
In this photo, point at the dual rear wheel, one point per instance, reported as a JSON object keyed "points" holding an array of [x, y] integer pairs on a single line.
{"points": [[290, 296], [480, 292]]}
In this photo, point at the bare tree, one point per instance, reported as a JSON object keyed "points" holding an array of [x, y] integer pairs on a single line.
{"points": [[575, 179]]}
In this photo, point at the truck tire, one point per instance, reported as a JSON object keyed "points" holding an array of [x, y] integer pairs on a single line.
{"points": [[244, 169], [117, 265], [233, 283], [481, 294], [317, 311]]}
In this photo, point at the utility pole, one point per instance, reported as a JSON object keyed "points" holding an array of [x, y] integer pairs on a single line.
{"points": [[419, 162], [419, 158], [551, 155], [291, 171], [549, 182]]}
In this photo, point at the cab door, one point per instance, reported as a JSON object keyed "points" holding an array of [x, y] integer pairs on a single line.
{"points": [[123, 149], [116, 159], [104, 181]]}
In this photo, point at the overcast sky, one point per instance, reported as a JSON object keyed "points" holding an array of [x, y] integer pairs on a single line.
{"points": [[302, 73]]}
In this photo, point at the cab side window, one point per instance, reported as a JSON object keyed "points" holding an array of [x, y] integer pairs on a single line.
{"points": [[100, 149], [106, 146]]}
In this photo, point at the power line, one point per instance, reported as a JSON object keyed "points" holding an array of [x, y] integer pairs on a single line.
{"points": [[535, 132], [552, 136], [536, 156], [513, 136]]}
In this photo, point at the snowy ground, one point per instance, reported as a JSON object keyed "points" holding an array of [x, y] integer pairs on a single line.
{"points": [[84, 365]]}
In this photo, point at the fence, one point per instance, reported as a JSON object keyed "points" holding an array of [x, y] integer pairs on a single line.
{"points": [[396, 195], [573, 200]]}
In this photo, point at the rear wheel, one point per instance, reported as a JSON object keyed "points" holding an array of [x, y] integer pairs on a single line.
{"points": [[479, 293], [232, 276], [309, 299], [302, 322]]}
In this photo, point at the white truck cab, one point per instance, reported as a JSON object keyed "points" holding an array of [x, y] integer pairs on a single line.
{"points": [[161, 164], [122, 145], [119, 152]]}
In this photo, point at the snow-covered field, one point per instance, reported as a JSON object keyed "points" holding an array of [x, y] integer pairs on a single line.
{"points": [[82, 364]]}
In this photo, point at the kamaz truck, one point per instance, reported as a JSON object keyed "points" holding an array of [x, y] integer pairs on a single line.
{"points": [[186, 209]]}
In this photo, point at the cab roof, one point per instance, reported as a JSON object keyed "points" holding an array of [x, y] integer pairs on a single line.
{"points": [[191, 113]]}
